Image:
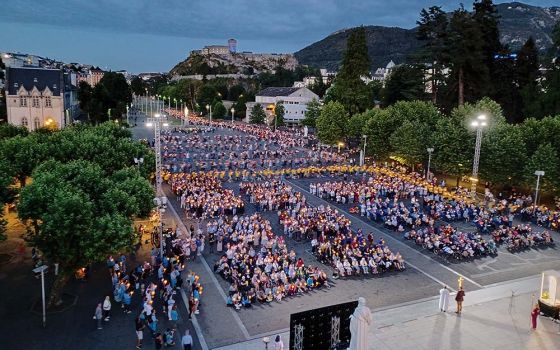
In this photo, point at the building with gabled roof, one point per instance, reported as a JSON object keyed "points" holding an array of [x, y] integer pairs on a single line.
{"points": [[39, 97], [294, 99]]}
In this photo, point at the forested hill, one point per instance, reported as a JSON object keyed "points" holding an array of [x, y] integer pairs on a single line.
{"points": [[518, 22]]}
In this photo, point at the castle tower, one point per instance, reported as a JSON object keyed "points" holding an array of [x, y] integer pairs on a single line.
{"points": [[232, 44]]}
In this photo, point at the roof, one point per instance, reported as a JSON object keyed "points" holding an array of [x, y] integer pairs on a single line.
{"points": [[278, 91], [30, 77]]}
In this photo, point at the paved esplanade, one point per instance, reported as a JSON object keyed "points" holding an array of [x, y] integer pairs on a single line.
{"points": [[422, 279]]}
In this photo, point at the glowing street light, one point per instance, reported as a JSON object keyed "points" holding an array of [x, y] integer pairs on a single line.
{"points": [[209, 108], [479, 123]]}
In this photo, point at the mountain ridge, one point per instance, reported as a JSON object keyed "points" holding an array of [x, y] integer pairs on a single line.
{"points": [[518, 21]]}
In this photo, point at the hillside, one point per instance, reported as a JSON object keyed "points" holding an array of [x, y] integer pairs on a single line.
{"points": [[384, 44], [236, 63], [518, 22]]}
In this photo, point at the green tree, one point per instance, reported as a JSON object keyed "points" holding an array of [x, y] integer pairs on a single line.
{"points": [[503, 154], [7, 194], [432, 31], [356, 126], [23, 154], [485, 14], [526, 74], [453, 147], [379, 127], [279, 112], [207, 95], [258, 116], [410, 142], [240, 107], [466, 58], [78, 215], [349, 88], [544, 159], [312, 113], [405, 83], [332, 123], [9, 130], [138, 87], [219, 110], [85, 95]]}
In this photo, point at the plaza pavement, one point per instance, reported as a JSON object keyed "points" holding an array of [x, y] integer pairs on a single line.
{"points": [[220, 326], [492, 319], [72, 328]]}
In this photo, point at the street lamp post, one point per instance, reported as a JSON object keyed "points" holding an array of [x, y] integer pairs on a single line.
{"points": [[157, 123], [138, 162], [209, 108], [340, 144], [161, 204], [175, 103], [538, 173], [127, 115], [232, 113], [42, 269], [430, 151], [479, 124], [363, 155], [186, 119]]}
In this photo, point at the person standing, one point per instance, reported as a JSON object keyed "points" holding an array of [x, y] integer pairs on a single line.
{"points": [[187, 341], [534, 316], [443, 299], [98, 315], [107, 308], [139, 332], [459, 298], [278, 343]]}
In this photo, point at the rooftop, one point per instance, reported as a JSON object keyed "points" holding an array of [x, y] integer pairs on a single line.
{"points": [[278, 91], [28, 77]]}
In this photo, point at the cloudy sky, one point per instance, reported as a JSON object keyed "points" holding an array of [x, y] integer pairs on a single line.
{"points": [[153, 35]]}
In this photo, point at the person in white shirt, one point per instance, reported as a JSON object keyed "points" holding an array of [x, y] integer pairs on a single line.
{"points": [[187, 341], [278, 343], [107, 308]]}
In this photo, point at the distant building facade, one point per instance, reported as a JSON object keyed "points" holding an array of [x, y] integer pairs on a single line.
{"points": [[39, 97], [294, 100], [91, 76], [381, 74]]}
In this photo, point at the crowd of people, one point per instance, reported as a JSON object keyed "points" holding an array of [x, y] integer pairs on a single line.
{"points": [[196, 151], [202, 195], [521, 237], [332, 240], [451, 243], [258, 264], [158, 282]]}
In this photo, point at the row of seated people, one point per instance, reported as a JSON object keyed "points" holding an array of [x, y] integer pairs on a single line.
{"points": [[333, 241], [258, 264], [449, 242], [521, 237], [202, 195]]}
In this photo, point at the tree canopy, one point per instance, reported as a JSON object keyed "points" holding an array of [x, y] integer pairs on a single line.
{"points": [[258, 116]]}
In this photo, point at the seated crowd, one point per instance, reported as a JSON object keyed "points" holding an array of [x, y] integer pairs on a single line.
{"points": [[258, 264], [333, 241], [449, 242], [521, 237]]}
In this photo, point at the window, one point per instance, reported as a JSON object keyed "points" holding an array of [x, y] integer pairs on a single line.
{"points": [[22, 101], [36, 124], [48, 102], [24, 122], [35, 102]]}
